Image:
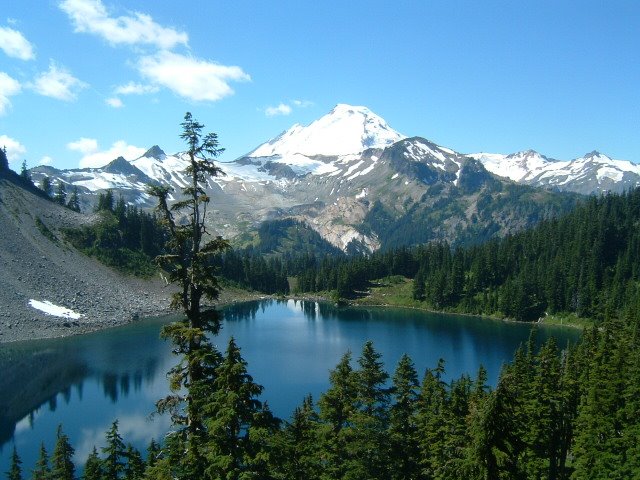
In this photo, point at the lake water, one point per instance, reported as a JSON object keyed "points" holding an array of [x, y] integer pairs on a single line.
{"points": [[86, 382]]}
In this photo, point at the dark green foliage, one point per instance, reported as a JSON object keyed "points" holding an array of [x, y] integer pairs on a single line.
{"points": [[4, 161], [105, 202], [134, 468], [42, 470], [368, 448], [61, 194], [337, 406], [62, 467], [403, 427], [93, 469], [248, 269], [299, 455], [24, 172], [557, 412], [115, 454], [125, 238], [15, 470], [187, 263], [74, 200], [46, 186], [586, 263], [234, 420], [289, 235]]}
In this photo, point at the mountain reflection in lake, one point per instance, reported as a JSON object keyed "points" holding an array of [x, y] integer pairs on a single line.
{"points": [[86, 382]]}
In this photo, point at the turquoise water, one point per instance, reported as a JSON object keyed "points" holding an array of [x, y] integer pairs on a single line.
{"points": [[86, 382]]}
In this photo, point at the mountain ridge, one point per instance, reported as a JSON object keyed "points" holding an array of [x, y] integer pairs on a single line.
{"points": [[331, 185]]}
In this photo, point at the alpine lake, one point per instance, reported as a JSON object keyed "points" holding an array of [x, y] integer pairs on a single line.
{"points": [[86, 382]]}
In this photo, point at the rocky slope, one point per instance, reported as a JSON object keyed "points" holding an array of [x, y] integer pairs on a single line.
{"points": [[37, 265], [341, 176]]}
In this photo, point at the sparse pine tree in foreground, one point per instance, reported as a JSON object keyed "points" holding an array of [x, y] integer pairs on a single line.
{"points": [[187, 263]]}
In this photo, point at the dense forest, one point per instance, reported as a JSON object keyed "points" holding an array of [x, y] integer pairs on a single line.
{"points": [[587, 263]]}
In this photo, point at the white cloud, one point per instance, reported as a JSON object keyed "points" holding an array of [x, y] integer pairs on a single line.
{"points": [[15, 150], [46, 160], [84, 145], [114, 102], [15, 45], [189, 77], [135, 89], [303, 103], [93, 157], [8, 88], [286, 109], [281, 109], [57, 82], [91, 16]]}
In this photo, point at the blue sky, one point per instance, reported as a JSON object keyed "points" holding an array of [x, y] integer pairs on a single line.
{"points": [[82, 81]]}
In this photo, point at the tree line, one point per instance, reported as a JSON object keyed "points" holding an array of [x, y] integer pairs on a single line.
{"points": [[125, 236], [586, 262]]}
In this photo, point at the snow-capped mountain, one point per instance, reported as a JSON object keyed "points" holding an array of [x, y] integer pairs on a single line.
{"points": [[592, 173], [361, 185], [344, 130]]}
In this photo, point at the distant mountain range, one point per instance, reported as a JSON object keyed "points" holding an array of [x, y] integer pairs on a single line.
{"points": [[592, 173], [361, 185]]}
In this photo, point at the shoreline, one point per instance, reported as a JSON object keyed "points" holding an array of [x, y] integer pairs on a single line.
{"points": [[55, 327]]}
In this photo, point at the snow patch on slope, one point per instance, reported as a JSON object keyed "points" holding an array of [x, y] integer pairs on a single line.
{"points": [[54, 310]]}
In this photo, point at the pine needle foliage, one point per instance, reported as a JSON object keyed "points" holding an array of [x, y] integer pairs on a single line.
{"points": [[187, 261]]}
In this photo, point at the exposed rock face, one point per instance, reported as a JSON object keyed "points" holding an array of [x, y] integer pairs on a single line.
{"points": [[336, 175]]}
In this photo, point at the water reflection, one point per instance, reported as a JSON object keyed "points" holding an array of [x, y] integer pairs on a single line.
{"points": [[51, 374], [86, 382]]}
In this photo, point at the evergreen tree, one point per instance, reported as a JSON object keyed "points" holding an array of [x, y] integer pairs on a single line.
{"points": [[115, 454], [188, 266], [418, 286], [134, 468], [42, 470], [15, 471], [430, 421], [369, 448], [24, 172], [403, 429], [300, 458], [46, 186], [232, 412], [337, 406], [105, 201], [93, 469], [61, 194], [4, 161], [62, 467], [153, 453], [74, 200]]}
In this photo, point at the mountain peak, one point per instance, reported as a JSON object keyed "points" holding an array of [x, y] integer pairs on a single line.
{"points": [[593, 154], [121, 166], [155, 152], [346, 129]]}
